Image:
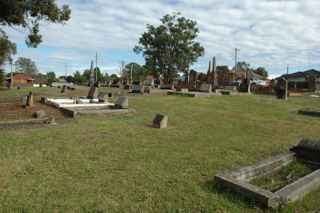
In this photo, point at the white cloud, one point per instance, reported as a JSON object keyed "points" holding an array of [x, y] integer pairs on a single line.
{"points": [[270, 33]]}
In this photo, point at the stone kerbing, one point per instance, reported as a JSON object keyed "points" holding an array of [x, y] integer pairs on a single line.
{"points": [[238, 181]]}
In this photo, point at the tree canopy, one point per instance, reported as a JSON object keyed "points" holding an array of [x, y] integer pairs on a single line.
{"points": [[138, 72], [28, 14], [7, 48], [26, 65], [171, 47]]}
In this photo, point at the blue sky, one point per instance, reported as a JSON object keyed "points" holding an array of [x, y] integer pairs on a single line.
{"points": [[269, 33]]}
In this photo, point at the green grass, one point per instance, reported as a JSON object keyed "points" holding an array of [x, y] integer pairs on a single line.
{"points": [[120, 164]]}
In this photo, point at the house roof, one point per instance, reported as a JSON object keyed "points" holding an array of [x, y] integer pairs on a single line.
{"points": [[21, 76], [304, 74]]}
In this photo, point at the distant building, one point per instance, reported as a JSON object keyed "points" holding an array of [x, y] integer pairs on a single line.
{"points": [[303, 81], [21, 80]]}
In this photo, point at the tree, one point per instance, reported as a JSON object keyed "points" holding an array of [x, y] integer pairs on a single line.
{"points": [[262, 71], [51, 77], [78, 78], [26, 65], [7, 48], [139, 72], [28, 14], [2, 77], [171, 47]]}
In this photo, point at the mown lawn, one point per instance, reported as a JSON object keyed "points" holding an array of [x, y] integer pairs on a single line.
{"points": [[120, 164]]}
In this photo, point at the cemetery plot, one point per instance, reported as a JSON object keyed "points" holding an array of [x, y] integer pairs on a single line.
{"points": [[310, 112], [279, 180]]}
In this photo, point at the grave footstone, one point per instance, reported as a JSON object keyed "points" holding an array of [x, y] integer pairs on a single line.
{"points": [[122, 103], [39, 114], [160, 121]]}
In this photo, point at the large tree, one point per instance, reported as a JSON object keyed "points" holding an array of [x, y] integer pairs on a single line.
{"points": [[26, 65], [51, 77], [2, 77], [139, 72], [7, 48], [171, 47], [29, 13]]}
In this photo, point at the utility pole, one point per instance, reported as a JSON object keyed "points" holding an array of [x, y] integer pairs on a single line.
{"points": [[11, 82], [236, 59], [131, 73], [96, 72], [66, 70], [287, 84]]}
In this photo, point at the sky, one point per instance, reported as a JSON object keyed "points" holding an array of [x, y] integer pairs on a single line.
{"points": [[269, 33]]}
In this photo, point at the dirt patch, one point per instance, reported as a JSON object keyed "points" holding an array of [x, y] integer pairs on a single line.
{"points": [[11, 111]]}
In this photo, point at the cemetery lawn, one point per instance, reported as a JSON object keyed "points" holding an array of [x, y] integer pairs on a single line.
{"points": [[120, 164]]}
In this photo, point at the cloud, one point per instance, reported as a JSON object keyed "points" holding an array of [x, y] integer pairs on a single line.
{"points": [[270, 33]]}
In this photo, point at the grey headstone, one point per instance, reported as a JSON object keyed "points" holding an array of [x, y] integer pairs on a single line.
{"points": [[40, 114], [122, 103], [102, 97], [24, 100], [160, 121], [206, 88]]}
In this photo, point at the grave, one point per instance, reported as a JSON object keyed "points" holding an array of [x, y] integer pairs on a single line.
{"points": [[27, 100], [39, 114], [136, 88], [310, 112], [245, 181], [63, 90], [160, 121], [73, 107]]}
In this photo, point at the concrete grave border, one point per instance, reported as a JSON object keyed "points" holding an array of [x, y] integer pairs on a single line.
{"points": [[238, 181], [309, 112], [27, 122]]}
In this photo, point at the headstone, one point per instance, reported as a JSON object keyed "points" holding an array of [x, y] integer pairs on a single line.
{"points": [[92, 92], [63, 89], [44, 100], [160, 121], [147, 90], [30, 100], [24, 100], [102, 97], [39, 114], [206, 87], [282, 89], [136, 88], [122, 103], [110, 95], [184, 90]]}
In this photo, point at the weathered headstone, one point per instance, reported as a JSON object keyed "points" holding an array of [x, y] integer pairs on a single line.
{"points": [[184, 90], [147, 90], [282, 89], [160, 121], [136, 88], [24, 100], [30, 100], [206, 87], [93, 93], [122, 103], [39, 114], [44, 100], [63, 89], [102, 97]]}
